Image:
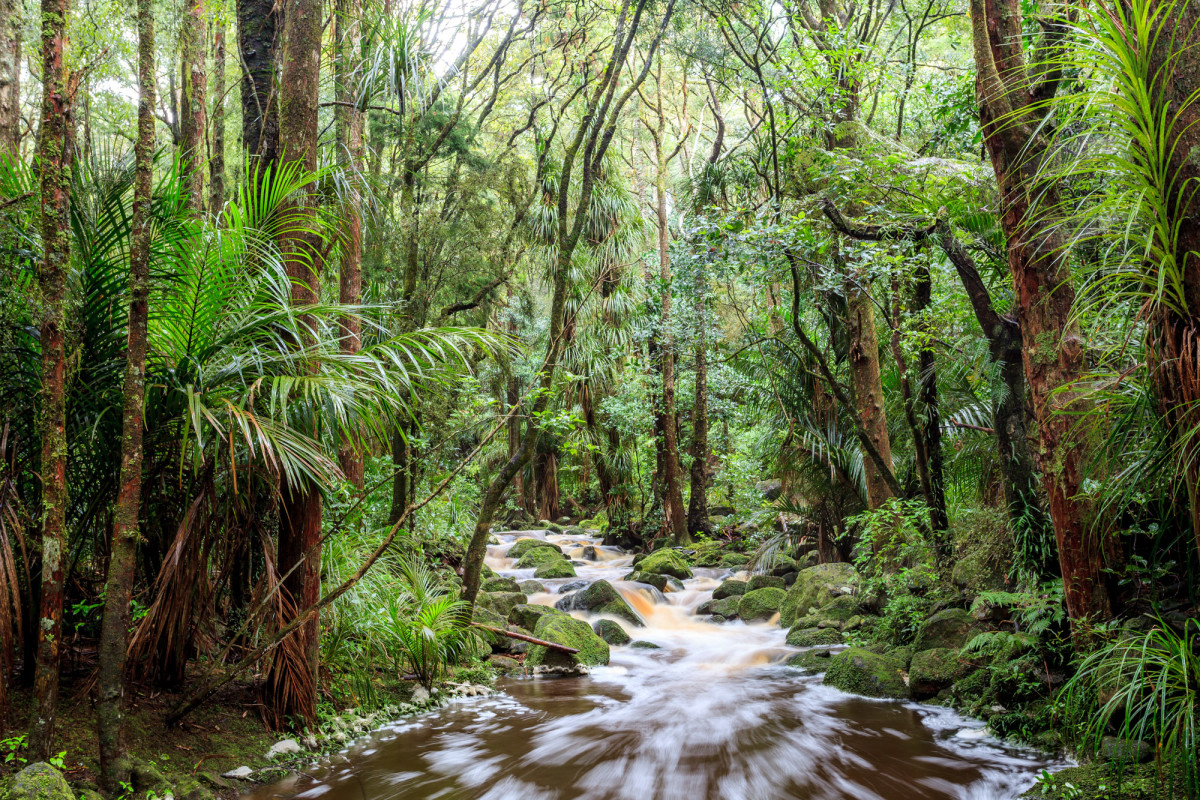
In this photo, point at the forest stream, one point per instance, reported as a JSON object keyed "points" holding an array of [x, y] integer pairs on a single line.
{"points": [[713, 712]]}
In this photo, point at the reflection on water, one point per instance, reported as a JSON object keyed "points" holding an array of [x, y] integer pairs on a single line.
{"points": [[711, 715]]}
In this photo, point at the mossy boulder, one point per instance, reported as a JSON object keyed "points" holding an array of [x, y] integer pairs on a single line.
{"points": [[611, 631], [555, 569], [657, 581], [931, 671], [488, 616], [527, 615], [601, 598], [764, 582], [813, 637], [837, 613], [730, 588], [531, 587], [860, 671], [665, 562], [761, 604], [506, 665], [38, 781], [500, 585], [811, 661], [949, 628], [642, 644], [523, 546], [708, 558], [815, 587], [566, 630], [537, 557], [507, 645], [726, 607], [501, 602], [731, 560]]}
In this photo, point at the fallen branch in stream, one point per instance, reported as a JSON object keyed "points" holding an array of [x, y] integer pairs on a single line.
{"points": [[562, 648]]}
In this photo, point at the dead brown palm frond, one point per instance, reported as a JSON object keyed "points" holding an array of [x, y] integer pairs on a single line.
{"points": [[177, 626], [289, 684], [10, 588]]}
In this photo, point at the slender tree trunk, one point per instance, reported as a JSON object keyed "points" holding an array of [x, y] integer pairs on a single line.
{"points": [[868, 388], [55, 149], [258, 41], [10, 76], [216, 163], [1009, 99], [193, 103], [122, 560], [350, 156], [300, 518], [931, 424], [698, 496]]}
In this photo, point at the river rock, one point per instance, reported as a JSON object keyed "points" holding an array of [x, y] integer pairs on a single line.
{"points": [[657, 581], [816, 586], [601, 598], [500, 585], [539, 556], [813, 637], [860, 671], [611, 632], [1123, 751], [566, 630], [241, 773], [284, 747], [642, 644], [783, 566], [531, 587], [837, 613], [573, 586], [501, 602], [760, 604], [527, 615], [730, 560], [949, 628], [931, 671], [508, 646], [764, 582], [665, 562], [555, 569], [38, 781], [729, 588], [811, 661], [488, 616], [506, 665], [523, 546], [726, 607]]}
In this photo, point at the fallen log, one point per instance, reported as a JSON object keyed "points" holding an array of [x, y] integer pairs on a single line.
{"points": [[532, 640]]}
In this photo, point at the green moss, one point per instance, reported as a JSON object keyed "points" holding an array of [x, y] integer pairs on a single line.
{"points": [[932, 671], [500, 585], [764, 582], [523, 546], [527, 615], [538, 556], [500, 602], [611, 632], [761, 604], [729, 588], [1102, 782], [562, 629], [816, 586], [726, 607], [734, 560], [602, 598], [951, 627], [39, 781], [555, 569], [813, 637], [657, 581], [811, 661], [666, 562], [860, 671]]}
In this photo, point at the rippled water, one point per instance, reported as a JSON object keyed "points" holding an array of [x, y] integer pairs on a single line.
{"points": [[712, 714]]}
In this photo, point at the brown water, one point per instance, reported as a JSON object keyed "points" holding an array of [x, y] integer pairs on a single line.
{"points": [[712, 715]]}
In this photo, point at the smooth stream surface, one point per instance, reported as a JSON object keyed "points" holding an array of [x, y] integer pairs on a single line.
{"points": [[712, 715]]}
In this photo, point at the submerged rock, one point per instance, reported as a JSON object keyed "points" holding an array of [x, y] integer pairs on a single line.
{"points": [[815, 587], [611, 632], [555, 569], [600, 598], [665, 562], [860, 671], [506, 666], [500, 585], [950, 628], [523, 546], [813, 637], [760, 604], [566, 630], [573, 586], [730, 588]]}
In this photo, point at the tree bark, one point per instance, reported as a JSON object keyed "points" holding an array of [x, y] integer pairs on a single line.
{"points": [[258, 41], [698, 496], [216, 162], [10, 76], [1011, 102], [193, 106], [868, 388], [122, 560], [55, 149]]}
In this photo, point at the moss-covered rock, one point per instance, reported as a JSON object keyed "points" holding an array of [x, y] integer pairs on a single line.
{"points": [[860, 671], [488, 616], [555, 569], [948, 628], [538, 556], [842, 613], [523, 546], [505, 665], [761, 604], [508, 645], [500, 585], [527, 616], [601, 598], [931, 671], [531, 587], [642, 644], [501, 602], [815, 587], [666, 562], [730, 560], [708, 558], [811, 661], [764, 582], [813, 637], [566, 630], [729, 588], [657, 581], [611, 632], [38, 781], [726, 607]]}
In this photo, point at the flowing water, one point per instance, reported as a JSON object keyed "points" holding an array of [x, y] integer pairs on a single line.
{"points": [[713, 714]]}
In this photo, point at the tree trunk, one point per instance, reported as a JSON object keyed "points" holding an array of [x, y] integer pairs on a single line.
{"points": [[1010, 105], [931, 424], [294, 694], [10, 76], [122, 560], [350, 156], [216, 163], [55, 149], [193, 103], [698, 496], [868, 388], [258, 40]]}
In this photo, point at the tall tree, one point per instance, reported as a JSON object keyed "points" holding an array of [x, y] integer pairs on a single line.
{"points": [[216, 161], [122, 560], [55, 148], [258, 40], [10, 75], [193, 111]]}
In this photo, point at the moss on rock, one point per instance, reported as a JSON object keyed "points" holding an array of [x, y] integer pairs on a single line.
{"points": [[734, 560], [811, 661], [601, 597], [1104, 782], [555, 569], [538, 556], [813, 637], [726, 607], [666, 562], [500, 585], [651, 579], [531, 587], [948, 628], [933, 670], [523, 546], [527, 615], [761, 604], [860, 671], [38, 781], [566, 630], [611, 632], [500, 602], [815, 587], [764, 582], [730, 588]]}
